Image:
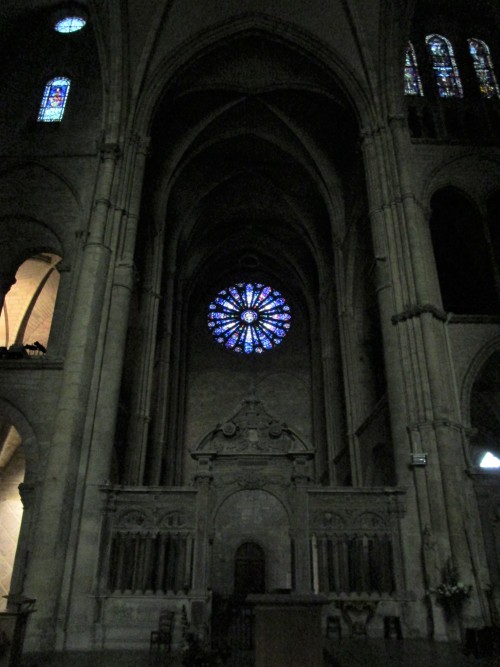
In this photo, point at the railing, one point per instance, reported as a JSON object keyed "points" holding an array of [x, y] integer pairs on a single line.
{"points": [[232, 624]]}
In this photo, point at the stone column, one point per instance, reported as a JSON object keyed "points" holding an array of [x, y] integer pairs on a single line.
{"points": [[404, 358], [201, 545], [62, 310], [80, 577], [300, 534], [27, 492], [46, 567], [421, 395], [158, 440], [142, 397], [6, 282], [332, 373], [448, 431]]}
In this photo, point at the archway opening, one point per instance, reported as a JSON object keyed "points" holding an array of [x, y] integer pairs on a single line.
{"points": [[462, 258], [485, 415], [249, 569], [12, 469], [28, 307]]}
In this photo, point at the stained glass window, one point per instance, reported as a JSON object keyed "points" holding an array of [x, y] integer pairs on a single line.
{"points": [[485, 73], [54, 100], [413, 84], [249, 318], [445, 67], [70, 24]]}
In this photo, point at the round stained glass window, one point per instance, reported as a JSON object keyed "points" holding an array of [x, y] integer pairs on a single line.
{"points": [[249, 317], [70, 24]]}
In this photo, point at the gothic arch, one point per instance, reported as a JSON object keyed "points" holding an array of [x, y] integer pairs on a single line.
{"points": [[28, 437], [24, 237], [457, 173], [253, 24], [459, 241], [16, 170], [472, 374], [229, 496]]}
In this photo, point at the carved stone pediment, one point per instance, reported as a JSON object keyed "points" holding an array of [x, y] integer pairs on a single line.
{"points": [[251, 430]]}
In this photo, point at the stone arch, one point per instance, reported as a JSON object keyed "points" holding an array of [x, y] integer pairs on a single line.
{"points": [[250, 24], [254, 516], [24, 237], [457, 173], [15, 170], [28, 306], [19, 470], [480, 400], [472, 373], [459, 242], [30, 442], [296, 250]]}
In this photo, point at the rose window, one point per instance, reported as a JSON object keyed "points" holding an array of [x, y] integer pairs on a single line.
{"points": [[249, 318]]}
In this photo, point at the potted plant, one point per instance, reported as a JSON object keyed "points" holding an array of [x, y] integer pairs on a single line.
{"points": [[452, 593]]}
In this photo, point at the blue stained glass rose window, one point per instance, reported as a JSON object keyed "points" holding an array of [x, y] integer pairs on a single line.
{"points": [[249, 317]]}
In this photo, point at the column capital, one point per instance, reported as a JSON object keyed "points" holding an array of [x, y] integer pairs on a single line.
{"points": [[140, 142], [109, 150]]}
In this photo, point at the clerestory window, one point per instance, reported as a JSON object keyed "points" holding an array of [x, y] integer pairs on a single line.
{"points": [[412, 82], [488, 86], [54, 100], [445, 67]]}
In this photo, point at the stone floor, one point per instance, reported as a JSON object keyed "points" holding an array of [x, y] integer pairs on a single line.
{"points": [[346, 653]]}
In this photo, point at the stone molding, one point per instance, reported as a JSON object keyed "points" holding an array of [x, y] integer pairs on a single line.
{"points": [[250, 431], [417, 310]]}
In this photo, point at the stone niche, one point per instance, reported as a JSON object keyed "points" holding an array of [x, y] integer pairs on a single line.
{"points": [[251, 516], [254, 464]]}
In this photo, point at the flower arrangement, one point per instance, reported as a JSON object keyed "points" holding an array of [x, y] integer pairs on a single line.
{"points": [[451, 594]]}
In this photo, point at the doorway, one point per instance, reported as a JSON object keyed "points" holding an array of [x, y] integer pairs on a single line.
{"points": [[249, 569]]}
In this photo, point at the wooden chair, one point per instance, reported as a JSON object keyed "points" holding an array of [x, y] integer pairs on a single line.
{"points": [[162, 638]]}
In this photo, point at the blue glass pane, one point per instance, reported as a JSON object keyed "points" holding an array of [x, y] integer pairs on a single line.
{"points": [[248, 318], [70, 24], [413, 84], [445, 68], [54, 100]]}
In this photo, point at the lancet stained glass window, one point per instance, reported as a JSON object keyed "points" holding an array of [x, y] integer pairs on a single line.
{"points": [[445, 67], [54, 100], [413, 84], [485, 73], [249, 317]]}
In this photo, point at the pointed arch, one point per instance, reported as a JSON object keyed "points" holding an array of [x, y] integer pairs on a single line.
{"points": [[444, 65], [483, 66], [54, 100], [412, 81], [461, 253]]}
